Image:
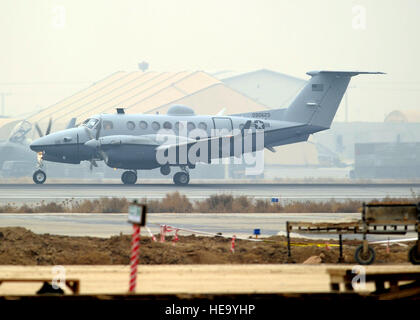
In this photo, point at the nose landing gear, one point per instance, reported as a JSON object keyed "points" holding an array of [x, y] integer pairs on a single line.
{"points": [[39, 175], [129, 177]]}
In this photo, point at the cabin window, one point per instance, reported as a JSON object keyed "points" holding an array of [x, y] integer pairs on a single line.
{"points": [[131, 125], [167, 125], [202, 126], [143, 125], [108, 125], [155, 125], [191, 126]]}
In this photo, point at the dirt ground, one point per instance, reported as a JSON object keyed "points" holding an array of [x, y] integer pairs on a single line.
{"points": [[19, 246]]}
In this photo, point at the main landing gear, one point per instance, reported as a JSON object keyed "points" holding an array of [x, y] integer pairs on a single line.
{"points": [[129, 177], [39, 176], [182, 178]]}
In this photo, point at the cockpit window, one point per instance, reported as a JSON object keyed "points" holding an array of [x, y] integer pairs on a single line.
{"points": [[90, 123]]}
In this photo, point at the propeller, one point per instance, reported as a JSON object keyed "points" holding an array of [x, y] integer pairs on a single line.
{"points": [[92, 164], [47, 132], [94, 142]]}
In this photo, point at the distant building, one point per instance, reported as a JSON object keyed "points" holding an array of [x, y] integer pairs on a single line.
{"points": [[387, 160], [403, 116], [272, 89], [387, 150]]}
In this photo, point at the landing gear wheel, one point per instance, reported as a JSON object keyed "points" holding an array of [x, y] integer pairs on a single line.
{"points": [[39, 177], [129, 177], [165, 170], [181, 178], [364, 258], [414, 255]]}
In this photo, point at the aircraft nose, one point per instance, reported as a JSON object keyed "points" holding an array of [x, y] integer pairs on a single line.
{"points": [[35, 146], [38, 145]]}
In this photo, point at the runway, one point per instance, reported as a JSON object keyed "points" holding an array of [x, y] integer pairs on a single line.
{"points": [[105, 225], [30, 193], [228, 224]]}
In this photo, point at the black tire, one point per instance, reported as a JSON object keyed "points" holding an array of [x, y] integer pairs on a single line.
{"points": [[129, 177], [165, 170], [413, 255], [181, 178], [39, 177], [364, 259]]}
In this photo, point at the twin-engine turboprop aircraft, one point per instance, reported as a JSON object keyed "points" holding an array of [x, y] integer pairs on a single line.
{"points": [[180, 139]]}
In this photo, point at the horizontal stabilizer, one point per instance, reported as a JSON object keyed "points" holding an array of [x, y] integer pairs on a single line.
{"points": [[344, 73], [317, 103]]}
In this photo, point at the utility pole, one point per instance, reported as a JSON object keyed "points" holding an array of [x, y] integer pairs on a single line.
{"points": [[3, 102]]}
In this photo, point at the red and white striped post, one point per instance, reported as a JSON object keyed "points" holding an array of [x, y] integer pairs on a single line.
{"points": [[232, 247], [134, 259], [327, 246], [176, 238], [162, 233], [137, 217], [151, 234]]}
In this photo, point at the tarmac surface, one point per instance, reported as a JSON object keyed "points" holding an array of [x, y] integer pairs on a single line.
{"points": [[160, 279], [31, 193], [228, 224], [106, 225]]}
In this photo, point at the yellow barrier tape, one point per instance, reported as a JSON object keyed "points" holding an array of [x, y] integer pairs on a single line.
{"points": [[320, 245]]}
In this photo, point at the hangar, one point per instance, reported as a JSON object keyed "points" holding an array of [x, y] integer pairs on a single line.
{"points": [[148, 92]]}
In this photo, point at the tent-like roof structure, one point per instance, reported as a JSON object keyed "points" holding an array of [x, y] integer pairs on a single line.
{"points": [[147, 92], [398, 116]]}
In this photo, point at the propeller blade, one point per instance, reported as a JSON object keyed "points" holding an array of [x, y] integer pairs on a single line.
{"points": [[49, 127], [92, 164], [103, 155], [89, 133], [38, 129]]}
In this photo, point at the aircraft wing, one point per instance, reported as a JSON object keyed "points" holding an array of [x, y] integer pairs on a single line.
{"points": [[187, 142]]}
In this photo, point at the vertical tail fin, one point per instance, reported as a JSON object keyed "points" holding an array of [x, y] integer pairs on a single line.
{"points": [[318, 101]]}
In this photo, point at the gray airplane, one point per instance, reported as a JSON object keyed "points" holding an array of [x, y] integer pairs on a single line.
{"points": [[16, 159], [134, 141]]}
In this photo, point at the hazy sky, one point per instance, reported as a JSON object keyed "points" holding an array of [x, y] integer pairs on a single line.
{"points": [[60, 46]]}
